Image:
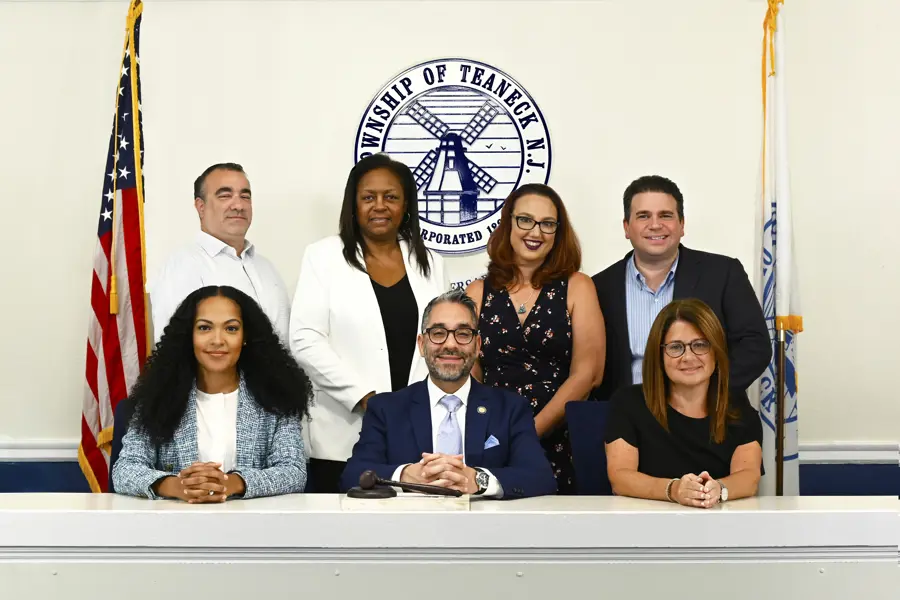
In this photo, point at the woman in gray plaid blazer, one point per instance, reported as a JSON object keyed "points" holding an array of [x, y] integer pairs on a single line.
{"points": [[217, 411]]}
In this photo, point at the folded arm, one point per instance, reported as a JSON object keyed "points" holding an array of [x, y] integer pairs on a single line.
{"points": [[370, 451], [528, 472], [749, 345], [309, 339], [135, 471], [285, 471]]}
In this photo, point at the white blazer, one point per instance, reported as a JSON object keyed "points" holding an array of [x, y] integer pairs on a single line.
{"points": [[337, 336]]}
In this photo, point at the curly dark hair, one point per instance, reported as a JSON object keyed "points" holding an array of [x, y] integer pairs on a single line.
{"points": [[273, 377]]}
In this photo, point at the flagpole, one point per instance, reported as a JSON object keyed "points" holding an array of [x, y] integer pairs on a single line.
{"points": [[779, 412]]}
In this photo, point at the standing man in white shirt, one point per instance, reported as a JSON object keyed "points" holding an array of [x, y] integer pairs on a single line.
{"points": [[221, 253]]}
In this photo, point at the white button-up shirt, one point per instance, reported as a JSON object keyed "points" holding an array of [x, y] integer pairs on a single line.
{"points": [[210, 261], [438, 414], [217, 428]]}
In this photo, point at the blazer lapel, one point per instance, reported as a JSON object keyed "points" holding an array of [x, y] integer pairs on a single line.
{"points": [[423, 295], [420, 415], [478, 414], [248, 420], [686, 274], [185, 437], [619, 310]]}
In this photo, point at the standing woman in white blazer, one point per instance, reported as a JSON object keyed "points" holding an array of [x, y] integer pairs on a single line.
{"points": [[357, 309]]}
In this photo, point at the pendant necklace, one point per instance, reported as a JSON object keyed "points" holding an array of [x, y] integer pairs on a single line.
{"points": [[521, 310]]}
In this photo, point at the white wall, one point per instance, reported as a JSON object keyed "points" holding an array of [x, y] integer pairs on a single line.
{"points": [[627, 88]]}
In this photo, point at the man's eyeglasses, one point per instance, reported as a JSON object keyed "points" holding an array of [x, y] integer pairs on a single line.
{"points": [[676, 349], [527, 224], [439, 335]]}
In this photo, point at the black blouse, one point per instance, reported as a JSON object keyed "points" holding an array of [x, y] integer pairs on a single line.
{"points": [[687, 447], [400, 314]]}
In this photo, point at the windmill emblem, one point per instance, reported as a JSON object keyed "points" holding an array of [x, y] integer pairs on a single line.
{"points": [[470, 134], [446, 173]]}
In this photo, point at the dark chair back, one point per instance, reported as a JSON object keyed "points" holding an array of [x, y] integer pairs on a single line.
{"points": [[587, 425], [124, 411]]}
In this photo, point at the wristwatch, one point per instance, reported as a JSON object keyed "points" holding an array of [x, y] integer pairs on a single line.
{"points": [[723, 496], [481, 479]]}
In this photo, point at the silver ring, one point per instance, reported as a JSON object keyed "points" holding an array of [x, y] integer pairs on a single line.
{"points": [[211, 492]]}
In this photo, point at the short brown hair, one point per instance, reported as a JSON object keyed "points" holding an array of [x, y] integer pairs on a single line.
{"points": [[564, 258], [656, 383]]}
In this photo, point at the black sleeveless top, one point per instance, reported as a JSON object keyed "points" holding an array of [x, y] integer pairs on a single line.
{"points": [[400, 314]]}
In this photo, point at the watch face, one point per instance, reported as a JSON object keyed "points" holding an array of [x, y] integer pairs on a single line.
{"points": [[724, 493], [481, 479]]}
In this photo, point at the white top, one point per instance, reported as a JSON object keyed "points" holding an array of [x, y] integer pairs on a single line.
{"points": [[217, 428], [337, 336], [438, 414], [210, 261]]}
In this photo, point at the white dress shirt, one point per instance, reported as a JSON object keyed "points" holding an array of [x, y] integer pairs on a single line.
{"points": [[438, 414], [217, 428], [210, 261]]}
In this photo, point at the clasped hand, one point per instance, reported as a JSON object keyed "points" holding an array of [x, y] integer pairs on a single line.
{"points": [[701, 491], [444, 470], [200, 483]]}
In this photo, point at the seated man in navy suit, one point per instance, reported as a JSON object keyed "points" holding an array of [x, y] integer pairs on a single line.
{"points": [[450, 430]]}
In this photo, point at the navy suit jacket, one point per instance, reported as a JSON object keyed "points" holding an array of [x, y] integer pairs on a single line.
{"points": [[396, 430], [717, 280]]}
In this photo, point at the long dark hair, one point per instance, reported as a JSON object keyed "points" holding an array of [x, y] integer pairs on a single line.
{"points": [[354, 243], [273, 377]]}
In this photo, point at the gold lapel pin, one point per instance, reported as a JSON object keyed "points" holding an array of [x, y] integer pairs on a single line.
{"points": [[481, 410]]}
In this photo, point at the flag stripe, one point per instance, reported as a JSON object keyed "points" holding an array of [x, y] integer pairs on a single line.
{"points": [[92, 371], [116, 342], [132, 229]]}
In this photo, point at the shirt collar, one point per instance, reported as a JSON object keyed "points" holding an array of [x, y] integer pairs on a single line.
{"points": [[213, 245], [632, 270], [435, 393]]}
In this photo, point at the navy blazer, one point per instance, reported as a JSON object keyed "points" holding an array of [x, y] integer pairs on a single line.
{"points": [[720, 282], [396, 430]]}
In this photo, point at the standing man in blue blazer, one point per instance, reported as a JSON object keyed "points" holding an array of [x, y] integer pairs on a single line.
{"points": [[450, 430]]}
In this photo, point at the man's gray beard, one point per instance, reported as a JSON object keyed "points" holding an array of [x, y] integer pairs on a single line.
{"points": [[454, 375]]}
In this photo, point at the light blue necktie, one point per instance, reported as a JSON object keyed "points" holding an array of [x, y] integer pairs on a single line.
{"points": [[449, 439]]}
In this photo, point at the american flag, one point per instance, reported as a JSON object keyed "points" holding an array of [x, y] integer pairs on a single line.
{"points": [[117, 342]]}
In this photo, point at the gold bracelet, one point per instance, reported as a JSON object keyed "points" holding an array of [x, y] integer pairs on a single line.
{"points": [[669, 490]]}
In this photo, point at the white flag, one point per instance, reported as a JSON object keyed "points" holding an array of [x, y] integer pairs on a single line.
{"points": [[778, 271]]}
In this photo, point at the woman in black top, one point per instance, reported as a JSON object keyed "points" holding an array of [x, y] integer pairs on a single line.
{"points": [[357, 309], [683, 435]]}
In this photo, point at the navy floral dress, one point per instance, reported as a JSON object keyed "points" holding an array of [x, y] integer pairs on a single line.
{"points": [[531, 359]]}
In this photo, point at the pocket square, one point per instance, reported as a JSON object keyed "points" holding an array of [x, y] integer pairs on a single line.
{"points": [[491, 442]]}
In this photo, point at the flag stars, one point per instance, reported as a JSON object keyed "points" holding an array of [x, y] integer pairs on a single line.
{"points": [[121, 91], [112, 176], [106, 214], [124, 71], [123, 143], [125, 116], [109, 196], [124, 173]]}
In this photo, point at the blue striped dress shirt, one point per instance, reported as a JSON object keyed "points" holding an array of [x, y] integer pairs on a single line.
{"points": [[643, 305]]}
